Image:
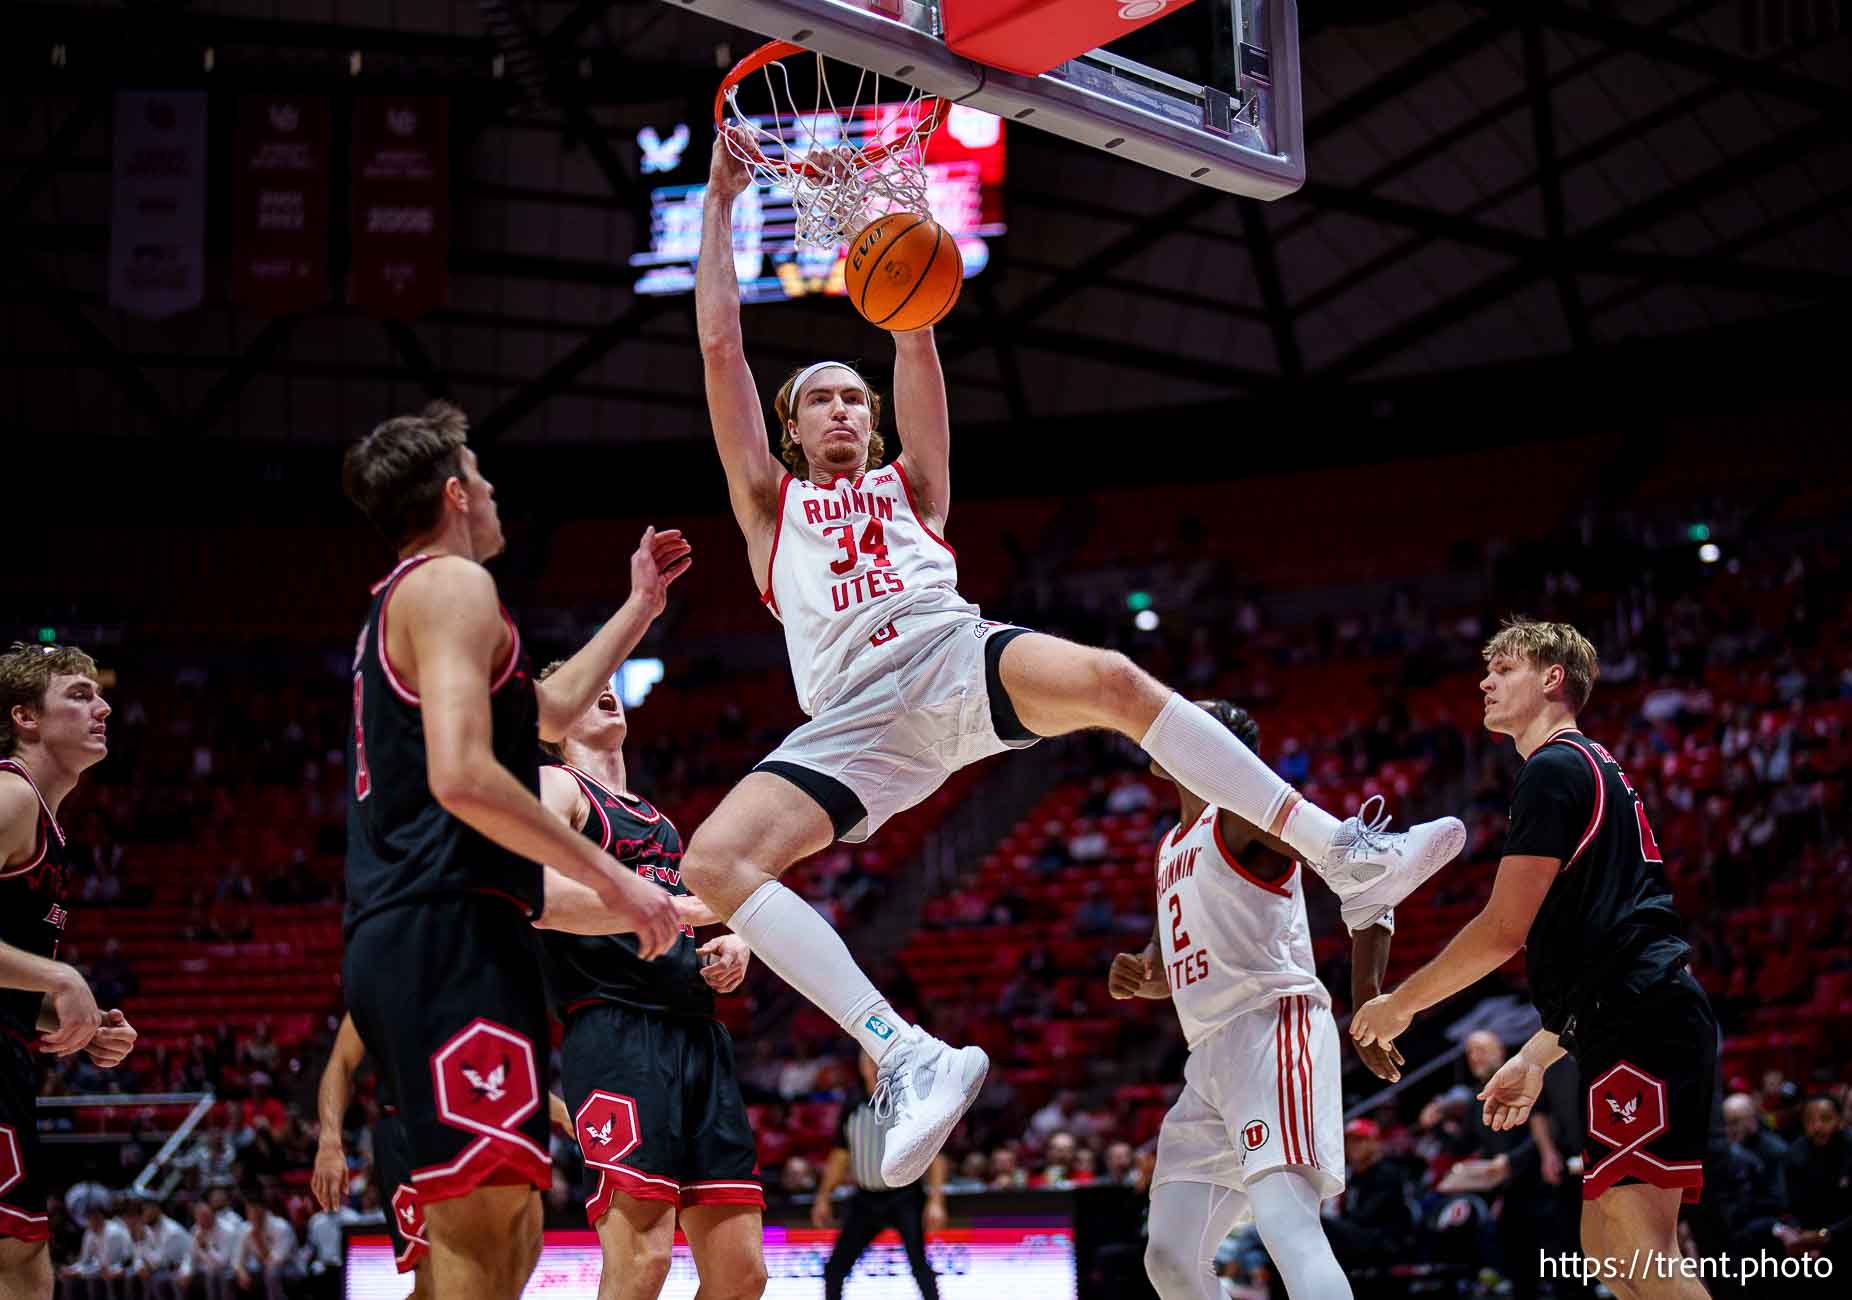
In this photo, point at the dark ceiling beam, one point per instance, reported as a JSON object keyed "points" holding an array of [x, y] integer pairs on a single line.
{"points": [[1550, 181], [1082, 275], [565, 33], [1009, 365], [102, 29], [236, 376], [411, 350], [1130, 356], [381, 372], [1570, 255], [1272, 292], [1405, 76], [1643, 216], [1834, 201], [1607, 28], [94, 347], [1444, 141], [592, 349]]}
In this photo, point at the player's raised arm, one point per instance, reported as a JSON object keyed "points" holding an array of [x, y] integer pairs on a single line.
{"points": [[565, 694], [732, 397], [922, 419], [454, 625]]}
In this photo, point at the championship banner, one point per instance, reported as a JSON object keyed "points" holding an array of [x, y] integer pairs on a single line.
{"points": [[280, 203], [157, 228], [401, 210]]}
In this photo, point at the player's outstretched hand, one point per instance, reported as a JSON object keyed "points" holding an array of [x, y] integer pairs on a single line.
{"points": [[1381, 1059], [1135, 975], [1510, 1094], [660, 559], [73, 1006], [1379, 1020], [115, 1039], [328, 1183], [646, 910], [726, 174], [724, 961]]}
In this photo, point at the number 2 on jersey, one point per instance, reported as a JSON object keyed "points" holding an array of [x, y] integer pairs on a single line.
{"points": [[873, 542], [1179, 937]]}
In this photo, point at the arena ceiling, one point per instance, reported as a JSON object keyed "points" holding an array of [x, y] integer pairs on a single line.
{"points": [[1489, 182]]}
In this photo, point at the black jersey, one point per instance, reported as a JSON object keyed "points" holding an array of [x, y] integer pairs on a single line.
{"points": [[1607, 927], [586, 969], [402, 845], [32, 914]]}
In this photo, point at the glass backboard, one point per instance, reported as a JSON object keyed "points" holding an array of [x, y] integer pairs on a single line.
{"points": [[1210, 92]]}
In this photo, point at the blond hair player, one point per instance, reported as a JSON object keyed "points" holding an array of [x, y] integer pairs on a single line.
{"points": [[906, 682]]}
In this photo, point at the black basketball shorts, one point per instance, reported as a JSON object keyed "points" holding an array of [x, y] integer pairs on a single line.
{"points": [[22, 1165], [1649, 1073], [656, 1107], [392, 1163], [447, 996]]}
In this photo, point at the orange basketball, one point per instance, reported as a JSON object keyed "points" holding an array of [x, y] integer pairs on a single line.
{"points": [[904, 272]]}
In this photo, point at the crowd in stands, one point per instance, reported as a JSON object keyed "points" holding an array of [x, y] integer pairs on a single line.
{"points": [[1726, 693]]}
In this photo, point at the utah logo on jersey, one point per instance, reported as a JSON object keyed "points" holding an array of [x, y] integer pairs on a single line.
{"points": [[1254, 1134]]}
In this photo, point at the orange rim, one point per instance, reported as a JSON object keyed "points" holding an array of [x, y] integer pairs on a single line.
{"points": [[773, 51]]}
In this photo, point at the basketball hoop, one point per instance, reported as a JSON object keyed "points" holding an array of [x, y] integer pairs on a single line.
{"points": [[842, 167]]}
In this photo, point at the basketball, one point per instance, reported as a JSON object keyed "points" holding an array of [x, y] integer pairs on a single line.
{"points": [[904, 272]]}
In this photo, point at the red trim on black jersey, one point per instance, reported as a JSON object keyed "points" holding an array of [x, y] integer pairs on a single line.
{"points": [[484, 1161], [1601, 795], [388, 583], [1271, 886], [590, 788], [742, 1192], [778, 527], [514, 652], [913, 505], [633, 1183], [20, 1226], [47, 821]]}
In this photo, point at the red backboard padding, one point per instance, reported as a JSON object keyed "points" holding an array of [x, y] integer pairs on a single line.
{"points": [[1032, 36]]}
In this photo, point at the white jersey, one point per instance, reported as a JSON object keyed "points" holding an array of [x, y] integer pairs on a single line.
{"points": [[1231, 942], [847, 560]]}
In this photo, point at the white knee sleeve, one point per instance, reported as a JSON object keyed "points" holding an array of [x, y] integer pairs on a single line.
{"points": [[1286, 1212], [1188, 1221]]}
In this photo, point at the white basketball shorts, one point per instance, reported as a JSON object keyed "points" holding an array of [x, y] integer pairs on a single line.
{"points": [[1263, 1092], [893, 739]]}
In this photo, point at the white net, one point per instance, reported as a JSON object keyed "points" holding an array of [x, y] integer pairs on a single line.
{"points": [[844, 166]]}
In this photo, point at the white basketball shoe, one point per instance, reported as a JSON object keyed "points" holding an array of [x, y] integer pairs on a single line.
{"points": [[1371, 869], [923, 1089]]}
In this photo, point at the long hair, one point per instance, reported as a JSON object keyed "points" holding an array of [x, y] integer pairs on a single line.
{"points": [[793, 453]]}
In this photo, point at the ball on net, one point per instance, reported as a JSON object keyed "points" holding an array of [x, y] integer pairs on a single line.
{"points": [[904, 272]]}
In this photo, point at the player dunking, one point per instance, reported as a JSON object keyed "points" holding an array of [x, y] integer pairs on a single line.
{"points": [[411, 1250], [647, 1070], [445, 832], [1259, 1126], [53, 728], [1582, 887], [905, 683]]}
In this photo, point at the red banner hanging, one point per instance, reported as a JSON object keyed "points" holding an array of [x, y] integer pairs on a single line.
{"points": [[401, 211], [280, 200]]}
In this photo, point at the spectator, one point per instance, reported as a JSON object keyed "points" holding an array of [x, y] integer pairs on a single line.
{"points": [[1819, 1173], [1744, 1127], [209, 1253], [113, 980], [1095, 915], [1375, 1221], [264, 1256], [1119, 1164], [163, 1264], [1058, 1165], [106, 1256], [1055, 1116], [1005, 1174], [973, 1174], [799, 1177]]}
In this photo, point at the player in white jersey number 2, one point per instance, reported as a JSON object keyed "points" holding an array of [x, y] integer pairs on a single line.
{"points": [[1258, 1128], [905, 683]]}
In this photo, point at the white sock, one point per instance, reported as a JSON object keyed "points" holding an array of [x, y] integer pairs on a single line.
{"points": [[1211, 764], [787, 934]]}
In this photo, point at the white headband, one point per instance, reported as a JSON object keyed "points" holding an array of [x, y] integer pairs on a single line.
{"points": [[803, 376]]}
